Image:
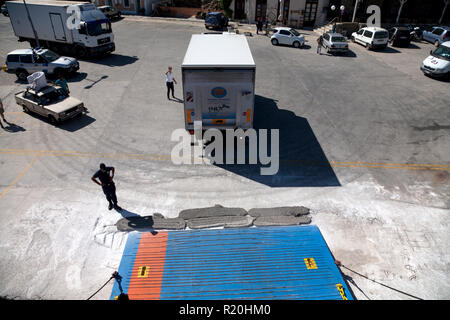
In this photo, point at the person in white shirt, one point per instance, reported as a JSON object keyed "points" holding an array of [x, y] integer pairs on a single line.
{"points": [[169, 83]]}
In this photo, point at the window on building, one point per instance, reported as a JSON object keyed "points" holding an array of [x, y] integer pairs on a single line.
{"points": [[126, 3]]}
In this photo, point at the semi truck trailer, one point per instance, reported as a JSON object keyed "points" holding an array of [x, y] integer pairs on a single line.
{"points": [[57, 29], [218, 75]]}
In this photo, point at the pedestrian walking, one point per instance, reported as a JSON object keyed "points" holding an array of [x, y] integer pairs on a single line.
{"points": [[63, 84], [319, 44], [2, 111], [169, 82], [107, 184]]}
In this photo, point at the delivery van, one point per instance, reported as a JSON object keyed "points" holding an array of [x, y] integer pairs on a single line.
{"points": [[55, 29]]}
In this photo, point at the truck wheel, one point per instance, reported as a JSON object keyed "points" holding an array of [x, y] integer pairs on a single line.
{"points": [[296, 44], [274, 42], [25, 109], [22, 74], [81, 52]]}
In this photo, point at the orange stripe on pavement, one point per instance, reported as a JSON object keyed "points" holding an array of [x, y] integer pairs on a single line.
{"points": [[148, 269]]}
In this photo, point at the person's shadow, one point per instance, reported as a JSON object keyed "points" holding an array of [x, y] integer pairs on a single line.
{"points": [[12, 127], [176, 99], [133, 221]]}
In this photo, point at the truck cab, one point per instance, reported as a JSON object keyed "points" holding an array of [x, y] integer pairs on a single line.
{"points": [[95, 33]]}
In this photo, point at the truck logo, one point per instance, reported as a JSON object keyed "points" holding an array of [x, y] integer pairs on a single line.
{"points": [[218, 92], [218, 108]]}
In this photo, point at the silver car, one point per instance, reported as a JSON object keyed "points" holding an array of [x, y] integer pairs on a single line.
{"points": [[335, 42]]}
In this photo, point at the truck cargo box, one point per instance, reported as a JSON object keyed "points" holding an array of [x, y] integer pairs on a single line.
{"points": [[218, 74]]}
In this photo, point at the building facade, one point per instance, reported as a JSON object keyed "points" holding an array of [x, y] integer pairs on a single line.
{"points": [[143, 7], [295, 13]]}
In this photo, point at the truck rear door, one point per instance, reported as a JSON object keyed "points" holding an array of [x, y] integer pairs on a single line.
{"points": [[58, 27], [221, 99]]}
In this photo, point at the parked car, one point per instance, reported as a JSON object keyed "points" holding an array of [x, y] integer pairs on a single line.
{"points": [[437, 35], [110, 12], [216, 20], [51, 101], [24, 62], [287, 36], [437, 64], [371, 37], [4, 10], [335, 42], [399, 36], [418, 29]]}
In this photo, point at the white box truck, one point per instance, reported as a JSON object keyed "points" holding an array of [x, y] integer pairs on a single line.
{"points": [[50, 20], [218, 74]]}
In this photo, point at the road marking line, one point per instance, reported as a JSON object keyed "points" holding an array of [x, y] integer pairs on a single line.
{"points": [[20, 175], [348, 164]]}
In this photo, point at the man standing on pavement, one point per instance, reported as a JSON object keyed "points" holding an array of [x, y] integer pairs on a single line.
{"points": [[259, 25], [107, 184], [169, 82], [319, 44], [2, 111]]}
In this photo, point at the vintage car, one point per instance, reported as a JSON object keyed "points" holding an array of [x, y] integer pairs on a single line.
{"points": [[51, 102]]}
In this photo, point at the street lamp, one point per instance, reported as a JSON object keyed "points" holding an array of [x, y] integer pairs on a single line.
{"points": [[342, 8]]}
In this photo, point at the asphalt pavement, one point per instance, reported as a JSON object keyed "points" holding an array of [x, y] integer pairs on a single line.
{"points": [[364, 143]]}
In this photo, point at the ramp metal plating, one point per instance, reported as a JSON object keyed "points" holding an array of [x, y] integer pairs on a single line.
{"points": [[243, 263]]}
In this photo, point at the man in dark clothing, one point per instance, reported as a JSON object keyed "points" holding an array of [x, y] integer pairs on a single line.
{"points": [[259, 26], [319, 44], [107, 184]]}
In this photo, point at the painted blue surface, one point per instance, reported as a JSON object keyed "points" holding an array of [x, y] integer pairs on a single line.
{"points": [[250, 263], [126, 264]]}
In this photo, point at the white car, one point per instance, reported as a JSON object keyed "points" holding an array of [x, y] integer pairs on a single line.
{"points": [[24, 62], [287, 36], [371, 37], [437, 64]]}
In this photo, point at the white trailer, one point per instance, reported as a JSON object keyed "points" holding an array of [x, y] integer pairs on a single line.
{"points": [[218, 74], [53, 23]]}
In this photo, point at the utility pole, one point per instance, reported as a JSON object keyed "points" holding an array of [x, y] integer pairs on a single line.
{"points": [[32, 26], [402, 2], [443, 12], [354, 11]]}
